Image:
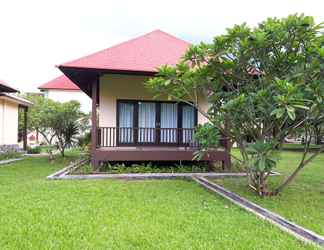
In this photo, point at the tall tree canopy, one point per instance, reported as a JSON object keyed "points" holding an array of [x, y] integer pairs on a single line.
{"points": [[56, 122], [262, 83]]}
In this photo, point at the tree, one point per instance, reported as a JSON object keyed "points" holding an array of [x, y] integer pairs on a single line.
{"points": [[57, 122], [39, 116], [64, 122], [262, 83]]}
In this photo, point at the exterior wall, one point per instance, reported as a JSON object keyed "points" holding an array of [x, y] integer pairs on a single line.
{"points": [[8, 122], [61, 95], [114, 87]]}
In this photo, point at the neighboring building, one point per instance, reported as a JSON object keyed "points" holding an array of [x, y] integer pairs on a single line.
{"points": [[62, 89], [133, 126], [9, 107]]}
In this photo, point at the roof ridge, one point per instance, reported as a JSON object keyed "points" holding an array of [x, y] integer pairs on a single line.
{"points": [[122, 43], [170, 35]]}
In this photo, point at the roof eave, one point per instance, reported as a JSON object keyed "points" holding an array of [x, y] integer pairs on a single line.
{"points": [[107, 71], [7, 89], [20, 101]]}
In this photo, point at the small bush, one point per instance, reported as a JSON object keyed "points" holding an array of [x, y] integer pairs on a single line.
{"points": [[84, 141], [141, 167], [34, 150], [11, 154]]}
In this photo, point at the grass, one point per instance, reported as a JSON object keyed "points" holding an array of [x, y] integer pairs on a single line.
{"points": [[302, 202], [105, 214], [45, 148], [299, 146]]}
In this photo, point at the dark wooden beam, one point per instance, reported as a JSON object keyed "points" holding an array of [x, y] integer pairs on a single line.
{"points": [[94, 136], [154, 154], [25, 127]]}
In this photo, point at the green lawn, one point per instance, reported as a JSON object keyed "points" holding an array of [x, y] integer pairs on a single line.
{"points": [[104, 214], [299, 147], [302, 202]]}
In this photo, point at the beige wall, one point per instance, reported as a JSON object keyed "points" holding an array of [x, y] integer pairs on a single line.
{"points": [[113, 87], [8, 122]]}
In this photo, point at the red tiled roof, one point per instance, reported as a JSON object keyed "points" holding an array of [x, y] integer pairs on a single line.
{"points": [[61, 82], [143, 54], [6, 88]]}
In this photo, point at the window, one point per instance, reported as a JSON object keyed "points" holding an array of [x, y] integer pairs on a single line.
{"points": [[148, 122]]}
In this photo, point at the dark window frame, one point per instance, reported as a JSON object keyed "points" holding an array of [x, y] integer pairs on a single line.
{"points": [[157, 141]]}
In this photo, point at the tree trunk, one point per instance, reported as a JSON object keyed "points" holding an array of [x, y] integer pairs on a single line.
{"points": [[45, 136], [318, 136], [62, 149], [302, 164]]}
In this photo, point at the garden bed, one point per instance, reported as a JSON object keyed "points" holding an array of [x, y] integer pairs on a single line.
{"points": [[150, 167], [140, 167], [81, 169]]}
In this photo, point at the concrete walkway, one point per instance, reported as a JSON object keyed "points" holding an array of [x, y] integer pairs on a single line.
{"points": [[288, 226], [4, 162]]}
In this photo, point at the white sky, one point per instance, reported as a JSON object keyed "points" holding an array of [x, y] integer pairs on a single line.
{"points": [[36, 35]]}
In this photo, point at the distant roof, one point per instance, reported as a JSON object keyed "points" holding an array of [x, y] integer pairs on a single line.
{"points": [[4, 87], [16, 99], [142, 54], [61, 82]]}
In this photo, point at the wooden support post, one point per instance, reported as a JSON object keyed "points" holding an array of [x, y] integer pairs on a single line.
{"points": [[25, 128], [94, 136], [227, 145]]}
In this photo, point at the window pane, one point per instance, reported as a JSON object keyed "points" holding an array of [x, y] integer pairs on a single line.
{"points": [[146, 122], [169, 122], [188, 123], [126, 122]]}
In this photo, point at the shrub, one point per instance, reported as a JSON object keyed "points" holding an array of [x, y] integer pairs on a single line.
{"points": [[11, 154], [34, 150], [84, 140]]}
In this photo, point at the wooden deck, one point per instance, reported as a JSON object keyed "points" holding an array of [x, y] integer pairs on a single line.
{"points": [[157, 153], [146, 148]]}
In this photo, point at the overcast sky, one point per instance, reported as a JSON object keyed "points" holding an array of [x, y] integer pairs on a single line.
{"points": [[36, 35]]}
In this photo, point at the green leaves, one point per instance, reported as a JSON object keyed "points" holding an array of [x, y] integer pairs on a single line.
{"points": [[207, 136], [291, 112], [289, 99], [263, 157], [261, 82], [279, 112]]}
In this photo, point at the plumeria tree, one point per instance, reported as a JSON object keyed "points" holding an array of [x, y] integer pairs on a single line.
{"points": [[263, 83]]}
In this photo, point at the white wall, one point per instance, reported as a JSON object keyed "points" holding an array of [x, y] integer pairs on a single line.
{"points": [[69, 95], [8, 122]]}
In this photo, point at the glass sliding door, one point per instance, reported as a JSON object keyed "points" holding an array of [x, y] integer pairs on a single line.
{"points": [[188, 123], [146, 122], [169, 122], [149, 122], [126, 122]]}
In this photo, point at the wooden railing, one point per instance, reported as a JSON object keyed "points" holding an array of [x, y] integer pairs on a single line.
{"points": [[122, 136]]}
